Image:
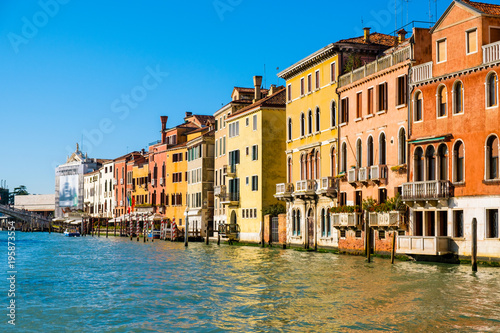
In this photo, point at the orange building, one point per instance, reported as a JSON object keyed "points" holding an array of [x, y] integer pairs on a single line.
{"points": [[123, 188], [453, 136]]}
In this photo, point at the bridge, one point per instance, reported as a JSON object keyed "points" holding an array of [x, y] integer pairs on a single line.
{"points": [[29, 220]]}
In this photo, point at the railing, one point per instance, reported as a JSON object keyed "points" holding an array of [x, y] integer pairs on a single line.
{"points": [[427, 245], [375, 66], [351, 175], [228, 229], [308, 185], [231, 197], [421, 72], [346, 219], [219, 190], [386, 219], [284, 188], [436, 189], [363, 174], [378, 172], [491, 52], [329, 183], [229, 170]]}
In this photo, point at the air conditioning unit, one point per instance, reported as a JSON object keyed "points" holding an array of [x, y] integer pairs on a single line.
{"points": [[115, 182], [161, 181], [121, 181], [153, 182]]}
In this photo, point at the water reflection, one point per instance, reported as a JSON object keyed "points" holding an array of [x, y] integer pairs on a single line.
{"points": [[99, 284]]}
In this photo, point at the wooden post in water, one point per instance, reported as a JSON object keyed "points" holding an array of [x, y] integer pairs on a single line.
{"points": [[474, 245], [262, 233], [49, 227], [367, 232], [186, 233], [393, 246], [218, 235], [99, 227], [138, 229], [130, 229], [115, 227], [206, 241], [107, 227], [92, 227]]}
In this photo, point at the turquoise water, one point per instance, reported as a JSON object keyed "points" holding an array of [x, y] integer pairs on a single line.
{"points": [[116, 285]]}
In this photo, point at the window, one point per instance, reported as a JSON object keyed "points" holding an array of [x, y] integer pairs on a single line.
{"points": [[492, 223], [294, 223], [333, 114], [442, 156], [317, 120], [255, 152], [402, 90], [494, 35], [430, 163], [382, 195], [359, 153], [289, 169], [247, 180], [234, 129], [343, 155], [234, 157], [316, 79], [298, 221], [418, 106], [254, 122], [344, 119], [328, 224], [369, 109], [382, 149], [255, 183], [382, 97], [471, 40], [289, 93], [323, 223], [458, 162], [458, 223], [369, 150], [332, 162], [177, 177], [216, 146], [381, 234], [289, 129], [302, 125], [310, 122], [359, 104], [224, 145], [301, 86], [309, 83], [402, 146], [247, 151], [247, 121], [458, 103], [441, 50], [333, 72], [441, 101], [491, 90], [492, 157], [418, 166]]}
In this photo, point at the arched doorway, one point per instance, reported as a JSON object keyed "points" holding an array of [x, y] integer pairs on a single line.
{"points": [[310, 227]]}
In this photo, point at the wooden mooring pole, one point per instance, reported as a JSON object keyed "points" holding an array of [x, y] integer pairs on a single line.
{"points": [[367, 234], [107, 227], [474, 245], [186, 233], [206, 241], [393, 246]]}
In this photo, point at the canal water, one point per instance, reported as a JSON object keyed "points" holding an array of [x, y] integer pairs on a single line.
{"points": [[116, 285]]}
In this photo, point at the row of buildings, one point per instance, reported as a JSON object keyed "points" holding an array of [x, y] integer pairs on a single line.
{"points": [[400, 132]]}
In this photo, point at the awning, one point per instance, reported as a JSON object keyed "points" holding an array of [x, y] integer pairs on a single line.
{"points": [[431, 139]]}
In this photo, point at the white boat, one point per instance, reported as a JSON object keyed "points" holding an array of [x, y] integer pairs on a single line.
{"points": [[71, 233]]}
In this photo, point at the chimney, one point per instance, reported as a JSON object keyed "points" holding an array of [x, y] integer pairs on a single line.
{"points": [[401, 35], [366, 34], [257, 82], [188, 114], [163, 128], [272, 90]]}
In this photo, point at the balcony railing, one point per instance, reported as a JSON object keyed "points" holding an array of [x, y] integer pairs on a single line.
{"points": [[422, 72], [352, 175], [219, 190], [378, 172], [231, 198], [346, 219], [284, 189], [308, 185], [491, 52], [329, 184], [435, 189], [229, 170], [363, 174], [426, 245], [386, 219]]}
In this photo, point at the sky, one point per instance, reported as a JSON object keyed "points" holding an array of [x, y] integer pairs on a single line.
{"points": [[101, 73]]}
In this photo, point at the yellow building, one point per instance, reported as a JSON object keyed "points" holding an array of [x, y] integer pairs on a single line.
{"points": [[140, 186], [312, 105], [256, 161]]}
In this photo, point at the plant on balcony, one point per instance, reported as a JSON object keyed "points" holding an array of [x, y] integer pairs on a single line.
{"points": [[345, 209], [399, 168], [369, 204], [143, 205], [392, 204], [274, 210], [396, 203]]}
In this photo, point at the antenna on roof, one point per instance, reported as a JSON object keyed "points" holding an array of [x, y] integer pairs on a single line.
{"points": [[277, 77], [265, 84]]}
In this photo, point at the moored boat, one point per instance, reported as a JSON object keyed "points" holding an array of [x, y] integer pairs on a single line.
{"points": [[71, 233]]}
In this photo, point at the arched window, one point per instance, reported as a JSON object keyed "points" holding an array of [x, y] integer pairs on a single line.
{"points": [[441, 101], [316, 166], [302, 125], [458, 98], [418, 168], [443, 162], [298, 222], [492, 157], [303, 166], [332, 162], [343, 156], [458, 162], [359, 153], [402, 146], [491, 90], [317, 120], [294, 223], [382, 149], [289, 129], [430, 163], [323, 223], [310, 122], [417, 107], [333, 114], [289, 169], [369, 150], [328, 224]]}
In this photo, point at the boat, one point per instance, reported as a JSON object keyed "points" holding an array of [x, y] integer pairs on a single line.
{"points": [[71, 233], [155, 234]]}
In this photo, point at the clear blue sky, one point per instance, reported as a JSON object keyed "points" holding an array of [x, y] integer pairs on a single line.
{"points": [[66, 69]]}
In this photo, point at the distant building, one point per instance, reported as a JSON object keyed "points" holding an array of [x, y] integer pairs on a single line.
{"points": [[43, 204]]}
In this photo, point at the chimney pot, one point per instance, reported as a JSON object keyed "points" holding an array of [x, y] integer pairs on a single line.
{"points": [[366, 34], [402, 35], [163, 128], [257, 82]]}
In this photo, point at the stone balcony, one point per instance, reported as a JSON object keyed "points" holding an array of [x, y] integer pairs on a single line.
{"points": [[305, 188], [378, 173], [284, 191], [219, 190], [346, 220], [229, 170], [393, 219], [491, 52], [328, 186], [230, 199], [423, 245], [432, 192], [422, 72]]}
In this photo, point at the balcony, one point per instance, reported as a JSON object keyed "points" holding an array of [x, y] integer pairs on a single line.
{"points": [[433, 192], [386, 219], [219, 190], [363, 175], [346, 220], [305, 188], [491, 52], [328, 186], [423, 245], [229, 170], [230, 199], [352, 176], [422, 72], [284, 191], [378, 173]]}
